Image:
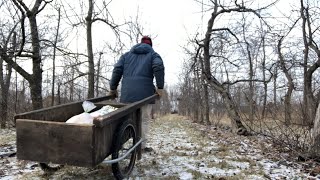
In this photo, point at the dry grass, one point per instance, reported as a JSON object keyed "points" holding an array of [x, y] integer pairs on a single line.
{"points": [[221, 121], [7, 136], [295, 136]]}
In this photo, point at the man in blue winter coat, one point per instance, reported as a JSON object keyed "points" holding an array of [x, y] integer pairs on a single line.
{"points": [[137, 68]]}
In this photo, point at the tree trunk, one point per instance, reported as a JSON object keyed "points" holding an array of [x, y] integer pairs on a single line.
{"points": [[265, 84], [5, 84], [206, 108], [251, 84], [315, 134], [287, 97], [90, 51], [234, 115], [98, 74], [308, 97], [4, 111], [36, 78], [5, 79], [59, 94], [305, 78], [197, 103], [275, 78], [206, 105], [54, 60]]}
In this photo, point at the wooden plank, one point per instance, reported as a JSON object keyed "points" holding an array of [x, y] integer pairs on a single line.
{"points": [[104, 136], [60, 112], [121, 112], [55, 142], [104, 140]]}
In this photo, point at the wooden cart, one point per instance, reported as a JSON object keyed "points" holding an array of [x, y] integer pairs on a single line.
{"points": [[44, 137]]}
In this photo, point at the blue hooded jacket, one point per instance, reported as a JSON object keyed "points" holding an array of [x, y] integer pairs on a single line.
{"points": [[137, 68]]}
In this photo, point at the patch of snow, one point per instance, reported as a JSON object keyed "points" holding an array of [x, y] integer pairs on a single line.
{"points": [[275, 170], [185, 176], [239, 165]]}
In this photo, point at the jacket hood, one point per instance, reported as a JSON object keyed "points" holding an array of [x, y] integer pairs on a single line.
{"points": [[141, 48]]}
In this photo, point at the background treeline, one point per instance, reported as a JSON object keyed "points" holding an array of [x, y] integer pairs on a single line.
{"points": [[259, 70]]}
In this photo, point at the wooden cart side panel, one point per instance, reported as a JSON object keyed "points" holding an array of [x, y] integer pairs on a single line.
{"points": [[60, 112], [54, 142], [104, 140]]}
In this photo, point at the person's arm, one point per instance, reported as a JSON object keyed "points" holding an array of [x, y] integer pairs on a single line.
{"points": [[117, 74], [158, 70]]}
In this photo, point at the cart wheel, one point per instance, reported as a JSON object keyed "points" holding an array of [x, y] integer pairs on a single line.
{"points": [[125, 138], [48, 168]]}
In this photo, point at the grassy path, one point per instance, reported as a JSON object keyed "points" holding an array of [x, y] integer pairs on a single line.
{"points": [[185, 150]]}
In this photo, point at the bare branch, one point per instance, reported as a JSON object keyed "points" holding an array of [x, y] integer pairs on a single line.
{"points": [[217, 56], [246, 80], [80, 75], [9, 60], [65, 52], [226, 29], [22, 4], [23, 17], [10, 33], [45, 4], [113, 26]]}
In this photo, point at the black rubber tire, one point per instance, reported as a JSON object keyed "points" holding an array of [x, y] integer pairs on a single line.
{"points": [[126, 133], [47, 168]]}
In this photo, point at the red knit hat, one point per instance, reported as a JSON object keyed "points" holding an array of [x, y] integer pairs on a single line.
{"points": [[146, 40]]}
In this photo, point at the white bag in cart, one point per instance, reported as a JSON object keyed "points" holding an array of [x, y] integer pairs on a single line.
{"points": [[85, 117]]}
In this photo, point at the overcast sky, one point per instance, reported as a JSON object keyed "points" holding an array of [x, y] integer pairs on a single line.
{"points": [[168, 20]]}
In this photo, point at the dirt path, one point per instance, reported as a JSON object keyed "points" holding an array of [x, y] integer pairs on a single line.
{"points": [[185, 150], [182, 150]]}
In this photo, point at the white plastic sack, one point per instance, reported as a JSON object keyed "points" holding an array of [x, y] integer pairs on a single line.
{"points": [[88, 106], [103, 111], [85, 117]]}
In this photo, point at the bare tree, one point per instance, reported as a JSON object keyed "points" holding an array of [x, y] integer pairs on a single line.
{"points": [[286, 71], [265, 84], [34, 79], [219, 10], [54, 57], [308, 34], [205, 96], [8, 45], [249, 53], [6, 54], [90, 51]]}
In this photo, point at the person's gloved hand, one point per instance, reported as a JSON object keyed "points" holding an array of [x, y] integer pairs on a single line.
{"points": [[113, 93], [159, 92]]}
